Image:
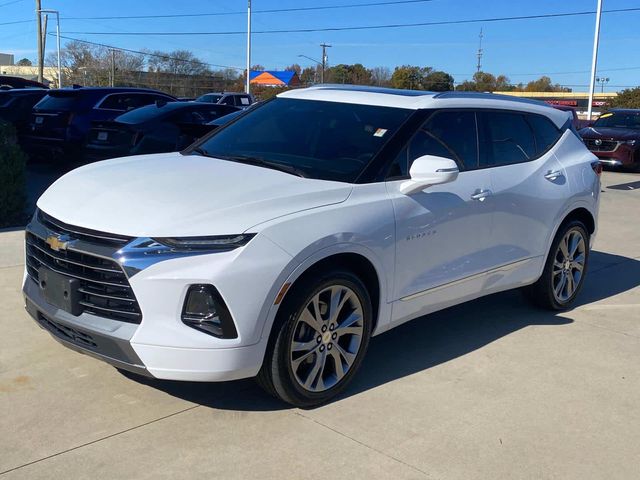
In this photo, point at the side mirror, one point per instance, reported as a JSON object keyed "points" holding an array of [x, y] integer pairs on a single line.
{"points": [[429, 170]]}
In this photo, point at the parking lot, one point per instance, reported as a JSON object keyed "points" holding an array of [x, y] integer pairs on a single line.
{"points": [[490, 389]]}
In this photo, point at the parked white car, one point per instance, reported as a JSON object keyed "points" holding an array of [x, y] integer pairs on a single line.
{"points": [[278, 245]]}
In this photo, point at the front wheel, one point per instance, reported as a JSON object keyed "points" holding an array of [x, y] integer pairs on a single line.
{"points": [[565, 270], [324, 330]]}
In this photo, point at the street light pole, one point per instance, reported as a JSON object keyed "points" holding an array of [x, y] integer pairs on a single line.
{"points": [[315, 77], [594, 60], [248, 85], [57, 14]]}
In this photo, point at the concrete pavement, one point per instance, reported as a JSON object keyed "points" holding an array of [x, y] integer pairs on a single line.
{"points": [[490, 389]]}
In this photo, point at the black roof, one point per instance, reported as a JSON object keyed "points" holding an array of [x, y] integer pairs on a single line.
{"points": [[19, 82]]}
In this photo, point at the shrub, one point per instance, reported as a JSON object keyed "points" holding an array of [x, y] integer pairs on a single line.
{"points": [[12, 178]]}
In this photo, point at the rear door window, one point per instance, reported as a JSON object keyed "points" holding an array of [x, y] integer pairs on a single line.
{"points": [[507, 138]]}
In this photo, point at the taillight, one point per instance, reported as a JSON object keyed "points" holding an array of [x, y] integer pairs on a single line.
{"points": [[597, 167]]}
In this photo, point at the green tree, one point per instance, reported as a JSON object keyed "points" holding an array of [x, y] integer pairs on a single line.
{"points": [[309, 75], [356, 74], [24, 62], [437, 81], [544, 84], [628, 98], [410, 77], [294, 68]]}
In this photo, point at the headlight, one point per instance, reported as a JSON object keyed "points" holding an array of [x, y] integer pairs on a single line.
{"points": [[630, 142], [218, 242]]}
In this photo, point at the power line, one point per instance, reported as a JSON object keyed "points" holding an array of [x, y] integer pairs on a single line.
{"points": [[10, 3], [372, 27], [274, 10], [16, 22], [156, 55]]}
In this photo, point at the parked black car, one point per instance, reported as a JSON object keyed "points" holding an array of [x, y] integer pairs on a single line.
{"points": [[8, 83], [242, 100], [16, 105], [162, 127], [61, 121]]}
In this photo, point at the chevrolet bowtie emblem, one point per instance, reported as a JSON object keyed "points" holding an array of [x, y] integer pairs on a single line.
{"points": [[56, 243]]}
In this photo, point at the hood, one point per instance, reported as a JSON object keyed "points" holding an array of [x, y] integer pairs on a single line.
{"points": [[171, 194], [608, 133]]}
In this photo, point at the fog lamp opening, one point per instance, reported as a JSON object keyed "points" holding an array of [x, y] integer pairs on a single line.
{"points": [[205, 310]]}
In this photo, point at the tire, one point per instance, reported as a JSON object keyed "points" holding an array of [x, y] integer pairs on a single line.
{"points": [[549, 291], [308, 360]]}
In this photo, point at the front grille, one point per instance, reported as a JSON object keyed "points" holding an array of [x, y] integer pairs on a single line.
{"points": [[605, 146], [105, 289], [67, 333], [86, 234]]}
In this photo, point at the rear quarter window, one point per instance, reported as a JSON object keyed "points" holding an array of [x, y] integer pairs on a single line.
{"points": [[544, 131]]}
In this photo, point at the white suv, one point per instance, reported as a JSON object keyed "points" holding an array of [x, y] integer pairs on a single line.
{"points": [[279, 244]]}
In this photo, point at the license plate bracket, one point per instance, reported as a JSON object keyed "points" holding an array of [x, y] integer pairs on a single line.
{"points": [[60, 291]]}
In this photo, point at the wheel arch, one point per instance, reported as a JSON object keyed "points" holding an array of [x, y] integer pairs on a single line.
{"points": [[355, 258]]}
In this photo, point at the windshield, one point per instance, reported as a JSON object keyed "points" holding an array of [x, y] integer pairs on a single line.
{"points": [[142, 114], [619, 120], [324, 140], [209, 98]]}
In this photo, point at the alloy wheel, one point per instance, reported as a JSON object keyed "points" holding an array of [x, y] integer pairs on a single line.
{"points": [[568, 265], [326, 338]]}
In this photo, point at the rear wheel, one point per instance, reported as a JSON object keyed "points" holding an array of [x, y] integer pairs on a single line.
{"points": [[324, 327], [565, 270]]}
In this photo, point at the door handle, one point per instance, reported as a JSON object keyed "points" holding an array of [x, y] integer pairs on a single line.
{"points": [[480, 195], [552, 175]]}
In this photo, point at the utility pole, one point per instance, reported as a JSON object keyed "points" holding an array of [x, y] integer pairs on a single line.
{"points": [[248, 85], [40, 46], [324, 60], [479, 66], [113, 67], [594, 60]]}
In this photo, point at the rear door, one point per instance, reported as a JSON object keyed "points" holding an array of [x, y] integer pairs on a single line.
{"points": [[529, 183]]}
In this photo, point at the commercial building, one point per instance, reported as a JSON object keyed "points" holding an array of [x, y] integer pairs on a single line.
{"points": [[577, 100]]}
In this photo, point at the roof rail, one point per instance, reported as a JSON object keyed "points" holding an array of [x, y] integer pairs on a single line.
{"points": [[489, 96], [371, 89]]}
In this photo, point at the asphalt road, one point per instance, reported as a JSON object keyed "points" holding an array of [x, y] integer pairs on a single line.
{"points": [[487, 390]]}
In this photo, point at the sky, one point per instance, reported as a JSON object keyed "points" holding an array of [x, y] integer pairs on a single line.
{"points": [[523, 50]]}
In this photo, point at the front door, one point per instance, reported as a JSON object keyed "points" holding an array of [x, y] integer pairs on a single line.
{"points": [[443, 232]]}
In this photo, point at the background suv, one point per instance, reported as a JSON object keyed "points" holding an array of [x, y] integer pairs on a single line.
{"points": [[161, 127], [241, 100], [615, 138], [61, 120], [279, 244]]}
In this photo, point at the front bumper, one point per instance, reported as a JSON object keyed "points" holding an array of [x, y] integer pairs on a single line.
{"points": [[111, 341], [161, 345], [622, 156]]}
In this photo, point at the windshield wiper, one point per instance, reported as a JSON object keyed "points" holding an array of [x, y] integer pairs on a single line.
{"points": [[261, 162], [201, 151]]}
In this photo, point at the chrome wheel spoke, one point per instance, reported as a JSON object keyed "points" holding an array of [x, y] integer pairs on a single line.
{"points": [[310, 320], [304, 346], [340, 368], [564, 248], [296, 363], [316, 371]]}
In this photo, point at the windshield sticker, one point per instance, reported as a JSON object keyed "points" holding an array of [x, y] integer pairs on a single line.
{"points": [[380, 132]]}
